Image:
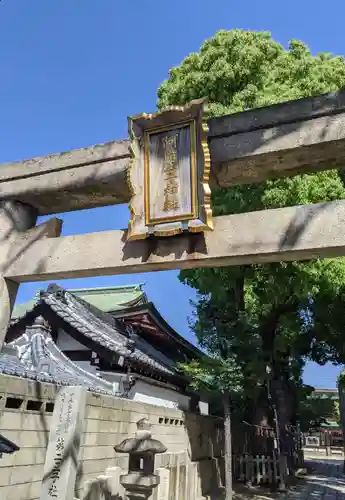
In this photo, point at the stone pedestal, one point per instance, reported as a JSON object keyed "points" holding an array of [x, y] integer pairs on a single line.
{"points": [[162, 490], [113, 475], [105, 487], [61, 464], [97, 489]]}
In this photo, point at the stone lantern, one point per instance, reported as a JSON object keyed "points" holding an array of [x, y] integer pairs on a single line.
{"points": [[140, 480]]}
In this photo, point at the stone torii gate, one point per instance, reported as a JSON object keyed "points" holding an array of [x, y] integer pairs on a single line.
{"points": [[295, 137]]}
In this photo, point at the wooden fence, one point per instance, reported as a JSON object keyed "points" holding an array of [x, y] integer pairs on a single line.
{"points": [[260, 469]]}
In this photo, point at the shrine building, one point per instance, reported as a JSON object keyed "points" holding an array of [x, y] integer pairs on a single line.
{"points": [[112, 340]]}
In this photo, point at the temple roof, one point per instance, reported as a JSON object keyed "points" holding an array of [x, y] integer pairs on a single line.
{"points": [[147, 317], [31, 351], [95, 329], [34, 355], [94, 321], [106, 299], [127, 335], [103, 330]]}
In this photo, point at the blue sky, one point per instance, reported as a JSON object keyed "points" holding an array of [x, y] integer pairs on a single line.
{"points": [[73, 70]]}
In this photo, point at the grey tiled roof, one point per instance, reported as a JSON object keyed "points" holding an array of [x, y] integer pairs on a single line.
{"points": [[34, 355], [100, 327]]}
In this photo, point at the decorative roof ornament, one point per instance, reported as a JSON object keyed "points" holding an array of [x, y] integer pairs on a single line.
{"points": [[169, 172], [34, 355], [125, 385], [40, 323]]}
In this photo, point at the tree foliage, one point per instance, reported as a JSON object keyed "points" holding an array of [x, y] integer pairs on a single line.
{"points": [[214, 374], [315, 411], [239, 70], [281, 314]]}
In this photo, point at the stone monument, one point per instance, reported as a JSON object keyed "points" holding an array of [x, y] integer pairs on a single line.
{"points": [[61, 463]]}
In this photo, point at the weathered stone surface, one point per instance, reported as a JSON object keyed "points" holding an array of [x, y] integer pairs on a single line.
{"points": [[15, 219], [62, 457], [97, 489], [106, 419], [283, 150], [137, 480], [14, 244], [113, 481], [162, 490], [298, 136], [62, 182], [8, 293], [14, 241], [285, 234]]}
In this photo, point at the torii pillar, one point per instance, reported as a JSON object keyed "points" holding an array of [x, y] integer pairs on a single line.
{"points": [[18, 230]]}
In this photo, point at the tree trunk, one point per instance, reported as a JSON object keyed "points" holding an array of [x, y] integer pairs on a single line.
{"points": [[283, 400], [227, 450], [261, 439]]}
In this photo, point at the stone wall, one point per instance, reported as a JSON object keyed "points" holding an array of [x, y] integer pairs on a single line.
{"points": [[25, 413], [193, 441], [180, 479]]}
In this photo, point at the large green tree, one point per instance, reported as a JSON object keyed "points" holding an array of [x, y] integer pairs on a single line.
{"points": [[273, 317]]}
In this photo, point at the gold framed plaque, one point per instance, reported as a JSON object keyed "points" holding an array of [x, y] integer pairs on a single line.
{"points": [[169, 172]]}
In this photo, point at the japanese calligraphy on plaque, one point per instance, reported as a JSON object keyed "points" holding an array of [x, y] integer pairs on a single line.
{"points": [[169, 172]]}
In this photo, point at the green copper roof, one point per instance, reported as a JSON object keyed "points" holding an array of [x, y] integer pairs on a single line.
{"points": [[106, 299], [20, 309], [330, 425]]}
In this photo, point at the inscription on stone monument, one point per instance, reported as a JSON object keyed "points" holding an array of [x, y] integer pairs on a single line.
{"points": [[64, 442], [169, 173]]}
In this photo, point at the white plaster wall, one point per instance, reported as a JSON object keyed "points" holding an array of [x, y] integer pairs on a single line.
{"points": [[86, 365], [204, 408], [159, 396], [67, 343], [112, 377]]}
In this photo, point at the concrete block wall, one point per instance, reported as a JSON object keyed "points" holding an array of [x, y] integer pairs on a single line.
{"points": [[110, 420], [25, 413], [180, 479]]}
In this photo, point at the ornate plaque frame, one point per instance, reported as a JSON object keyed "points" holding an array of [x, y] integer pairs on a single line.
{"points": [[181, 132]]}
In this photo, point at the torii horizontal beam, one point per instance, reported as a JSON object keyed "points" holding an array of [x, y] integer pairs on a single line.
{"points": [[284, 234], [299, 136]]}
